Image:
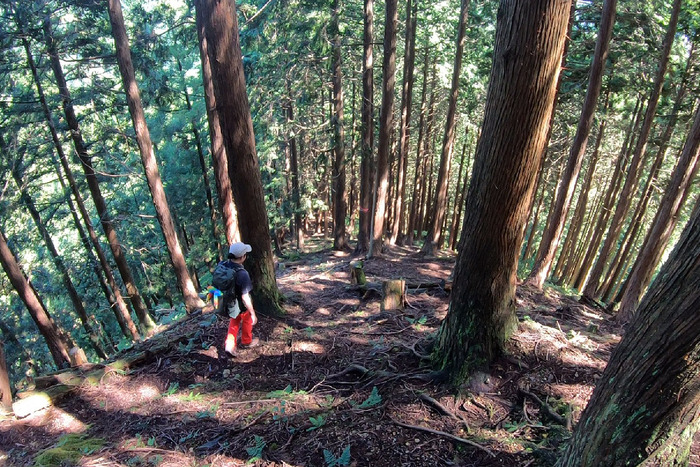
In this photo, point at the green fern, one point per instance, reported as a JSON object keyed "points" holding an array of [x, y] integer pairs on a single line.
{"points": [[374, 399], [332, 461]]}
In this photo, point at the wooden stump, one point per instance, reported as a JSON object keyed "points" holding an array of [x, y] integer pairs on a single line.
{"points": [[77, 356], [357, 273], [394, 292]]}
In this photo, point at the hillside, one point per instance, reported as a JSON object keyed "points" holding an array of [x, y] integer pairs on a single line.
{"points": [[336, 382]]}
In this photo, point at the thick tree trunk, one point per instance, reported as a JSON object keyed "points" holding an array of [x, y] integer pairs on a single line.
{"points": [[565, 192], [398, 226], [626, 195], [339, 191], [437, 218], [218, 149], [386, 119], [221, 29], [527, 60], [58, 342], [460, 190], [148, 158], [367, 151], [646, 406], [121, 310]]}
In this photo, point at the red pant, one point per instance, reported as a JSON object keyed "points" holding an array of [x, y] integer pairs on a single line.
{"points": [[243, 321]]}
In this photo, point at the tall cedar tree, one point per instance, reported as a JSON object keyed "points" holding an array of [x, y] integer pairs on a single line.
{"points": [[439, 206], [646, 406], [398, 225], [557, 216], [221, 29], [340, 241], [133, 293], [5, 388], [527, 55], [367, 110], [218, 149], [57, 340], [114, 295], [664, 222], [386, 119], [148, 158], [592, 288]]}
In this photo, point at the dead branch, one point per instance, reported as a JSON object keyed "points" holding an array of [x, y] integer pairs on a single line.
{"points": [[444, 410], [546, 407], [446, 435]]}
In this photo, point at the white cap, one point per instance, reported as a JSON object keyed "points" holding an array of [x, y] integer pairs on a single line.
{"points": [[238, 249]]}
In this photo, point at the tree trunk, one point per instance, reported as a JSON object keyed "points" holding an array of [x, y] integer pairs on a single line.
{"points": [[58, 342], [218, 149], [608, 203], [367, 109], [419, 181], [386, 117], [664, 222], [625, 199], [121, 310], [438, 214], [294, 169], [567, 184], [404, 128], [339, 191], [221, 28], [5, 387], [148, 158], [646, 406], [527, 61], [78, 305], [460, 191]]}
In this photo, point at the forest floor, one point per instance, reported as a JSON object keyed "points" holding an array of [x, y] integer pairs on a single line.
{"points": [[335, 382]]}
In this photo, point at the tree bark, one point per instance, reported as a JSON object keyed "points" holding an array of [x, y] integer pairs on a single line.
{"points": [[625, 199], [398, 226], [221, 29], [120, 308], [646, 406], [339, 190], [386, 119], [432, 240], [527, 60], [148, 158], [78, 305], [5, 387], [58, 342], [567, 184], [460, 194], [367, 110], [100, 204], [218, 149]]}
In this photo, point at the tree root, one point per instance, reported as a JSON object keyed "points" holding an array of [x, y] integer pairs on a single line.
{"points": [[446, 435], [444, 410]]}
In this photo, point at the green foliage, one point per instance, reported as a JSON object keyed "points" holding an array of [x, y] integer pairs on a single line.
{"points": [[172, 388], [316, 422], [332, 461], [374, 399], [255, 451]]}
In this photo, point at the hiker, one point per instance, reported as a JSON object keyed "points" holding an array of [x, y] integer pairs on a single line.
{"points": [[237, 301]]}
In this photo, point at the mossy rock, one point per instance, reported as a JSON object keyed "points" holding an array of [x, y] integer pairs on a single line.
{"points": [[68, 451]]}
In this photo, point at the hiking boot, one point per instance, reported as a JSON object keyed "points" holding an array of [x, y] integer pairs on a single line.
{"points": [[231, 353], [254, 343]]}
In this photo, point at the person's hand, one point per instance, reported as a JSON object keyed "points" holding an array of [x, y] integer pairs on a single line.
{"points": [[253, 317]]}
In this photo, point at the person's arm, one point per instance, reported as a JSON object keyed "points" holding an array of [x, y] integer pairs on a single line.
{"points": [[248, 302]]}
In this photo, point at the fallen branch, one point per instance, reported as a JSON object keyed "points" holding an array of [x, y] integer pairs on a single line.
{"points": [[446, 435], [547, 408]]}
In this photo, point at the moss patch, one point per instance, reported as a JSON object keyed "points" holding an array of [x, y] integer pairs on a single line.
{"points": [[69, 450]]}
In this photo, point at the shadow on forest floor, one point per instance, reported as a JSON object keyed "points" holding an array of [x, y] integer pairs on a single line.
{"points": [[337, 381]]}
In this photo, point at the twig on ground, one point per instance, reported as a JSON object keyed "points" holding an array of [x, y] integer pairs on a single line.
{"points": [[352, 368], [446, 435]]}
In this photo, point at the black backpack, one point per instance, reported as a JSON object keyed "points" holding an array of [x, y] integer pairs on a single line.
{"points": [[224, 279]]}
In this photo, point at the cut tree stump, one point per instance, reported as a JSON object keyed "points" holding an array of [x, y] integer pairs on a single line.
{"points": [[394, 294], [357, 273]]}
